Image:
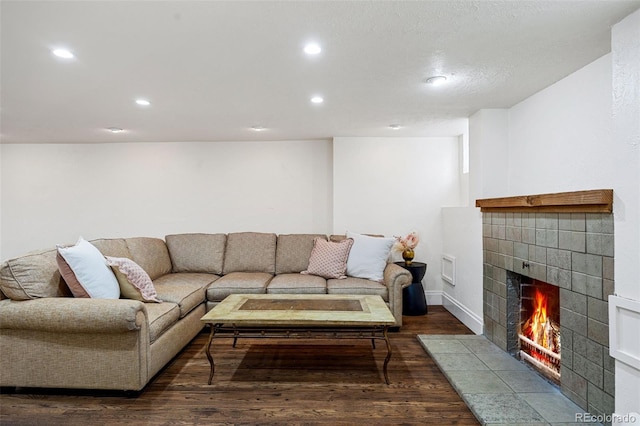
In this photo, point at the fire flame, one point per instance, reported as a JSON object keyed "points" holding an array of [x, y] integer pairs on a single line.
{"points": [[542, 330], [538, 326], [539, 320]]}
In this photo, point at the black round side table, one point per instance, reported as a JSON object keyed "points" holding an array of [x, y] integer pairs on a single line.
{"points": [[414, 301]]}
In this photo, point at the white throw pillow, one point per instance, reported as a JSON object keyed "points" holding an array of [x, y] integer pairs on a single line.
{"points": [[91, 270], [368, 256]]}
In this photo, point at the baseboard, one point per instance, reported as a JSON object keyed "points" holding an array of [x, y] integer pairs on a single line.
{"points": [[463, 313], [434, 297]]}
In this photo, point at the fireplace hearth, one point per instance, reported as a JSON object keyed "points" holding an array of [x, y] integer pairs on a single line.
{"points": [[572, 252]]}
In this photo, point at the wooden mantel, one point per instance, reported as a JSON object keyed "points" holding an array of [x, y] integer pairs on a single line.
{"points": [[594, 201]]}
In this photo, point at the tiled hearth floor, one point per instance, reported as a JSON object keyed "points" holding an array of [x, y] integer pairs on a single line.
{"points": [[499, 389]]}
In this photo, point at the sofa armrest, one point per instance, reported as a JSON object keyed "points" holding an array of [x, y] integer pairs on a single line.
{"points": [[396, 276], [71, 315], [396, 279]]}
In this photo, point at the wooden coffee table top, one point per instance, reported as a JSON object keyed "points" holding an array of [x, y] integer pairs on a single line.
{"points": [[331, 310]]}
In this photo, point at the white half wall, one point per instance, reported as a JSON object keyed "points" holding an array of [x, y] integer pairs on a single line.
{"points": [[55, 193], [393, 186], [462, 230]]}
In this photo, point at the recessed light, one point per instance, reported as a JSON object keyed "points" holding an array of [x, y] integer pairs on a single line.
{"points": [[317, 100], [312, 49], [258, 128], [436, 80], [394, 126], [143, 102], [115, 129], [63, 53]]}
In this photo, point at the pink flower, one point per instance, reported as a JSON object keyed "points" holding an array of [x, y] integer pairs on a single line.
{"points": [[407, 242]]}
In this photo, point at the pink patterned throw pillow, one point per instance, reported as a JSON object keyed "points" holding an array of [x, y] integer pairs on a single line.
{"points": [[329, 259], [134, 282]]}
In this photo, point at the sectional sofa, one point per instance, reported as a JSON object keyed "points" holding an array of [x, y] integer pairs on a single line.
{"points": [[50, 339]]}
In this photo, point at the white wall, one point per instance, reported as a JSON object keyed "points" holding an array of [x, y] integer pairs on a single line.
{"points": [[54, 193], [489, 154], [626, 154], [625, 150], [560, 138], [393, 186], [1, 204]]}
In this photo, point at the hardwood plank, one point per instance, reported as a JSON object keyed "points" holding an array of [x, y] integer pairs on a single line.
{"points": [[592, 201], [261, 382]]}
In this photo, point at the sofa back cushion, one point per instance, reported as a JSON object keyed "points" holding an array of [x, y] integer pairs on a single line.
{"points": [[115, 247], [337, 237], [250, 252], [197, 252], [151, 254], [293, 252], [32, 276]]}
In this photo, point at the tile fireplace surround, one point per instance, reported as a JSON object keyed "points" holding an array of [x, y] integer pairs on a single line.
{"points": [[573, 251]]}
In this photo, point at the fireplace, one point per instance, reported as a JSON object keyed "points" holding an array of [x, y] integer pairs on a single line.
{"points": [[539, 327], [553, 249]]}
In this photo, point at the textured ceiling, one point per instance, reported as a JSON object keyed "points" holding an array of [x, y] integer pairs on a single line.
{"points": [[213, 69]]}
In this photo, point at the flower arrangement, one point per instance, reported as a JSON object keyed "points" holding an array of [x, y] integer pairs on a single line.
{"points": [[406, 245], [409, 241]]}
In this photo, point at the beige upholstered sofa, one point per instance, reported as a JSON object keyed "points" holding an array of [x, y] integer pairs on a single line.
{"points": [[50, 339]]}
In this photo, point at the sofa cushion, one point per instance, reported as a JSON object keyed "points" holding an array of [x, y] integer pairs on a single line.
{"points": [[250, 252], [185, 289], [297, 284], [116, 247], [161, 317], [32, 276], [197, 252], [151, 254], [88, 272], [329, 259], [238, 283], [358, 286], [133, 280], [339, 237], [293, 252], [368, 256]]}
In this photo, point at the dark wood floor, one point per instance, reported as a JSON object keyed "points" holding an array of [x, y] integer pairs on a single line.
{"points": [[271, 382]]}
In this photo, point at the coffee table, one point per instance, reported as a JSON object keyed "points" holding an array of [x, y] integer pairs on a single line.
{"points": [[326, 316]]}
